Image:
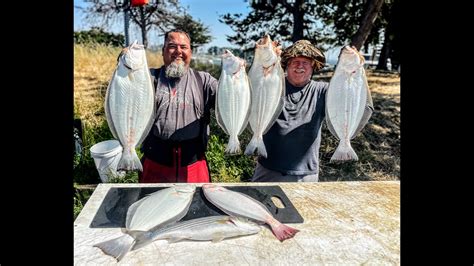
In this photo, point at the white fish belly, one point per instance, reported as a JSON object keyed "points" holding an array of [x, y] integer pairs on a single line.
{"points": [[206, 228], [267, 101], [233, 102], [346, 101], [130, 103], [129, 108], [236, 203], [164, 206]]}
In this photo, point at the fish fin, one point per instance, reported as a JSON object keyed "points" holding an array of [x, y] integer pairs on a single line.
{"points": [[174, 239], [344, 152], [136, 233], [282, 231], [142, 238], [217, 239], [261, 147], [233, 146], [251, 146], [256, 143], [130, 160], [108, 114], [117, 247], [150, 121]]}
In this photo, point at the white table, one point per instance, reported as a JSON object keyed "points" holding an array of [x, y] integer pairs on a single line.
{"points": [[344, 223]]}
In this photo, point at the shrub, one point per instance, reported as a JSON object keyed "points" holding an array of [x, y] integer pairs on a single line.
{"points": [[98, 35]]}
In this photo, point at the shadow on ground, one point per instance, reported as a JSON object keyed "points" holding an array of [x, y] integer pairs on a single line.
{"points": [[378, 146]]}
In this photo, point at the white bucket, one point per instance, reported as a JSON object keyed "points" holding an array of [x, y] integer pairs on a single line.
{"points": [[107, 155]]}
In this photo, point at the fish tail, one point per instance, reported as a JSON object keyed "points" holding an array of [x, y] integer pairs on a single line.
{"points": [[261, 147], [256, 143], [141, 239], [282, 231], [251, 146], [344, 152], [233, 146], [117, 247], [130, 160]]}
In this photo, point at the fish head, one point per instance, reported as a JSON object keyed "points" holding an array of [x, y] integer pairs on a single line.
{"points": [[265, 52], [134, 56], [245, 224], [185, 188], [210, 188], [350, 59], [265, 39], [277, 48], [231, 63]]}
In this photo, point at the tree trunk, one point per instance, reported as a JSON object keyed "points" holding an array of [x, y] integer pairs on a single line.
{"points": [[394, 24], [370, 14], [390, 38], [385, 52], [143, 27], [298, 14]]}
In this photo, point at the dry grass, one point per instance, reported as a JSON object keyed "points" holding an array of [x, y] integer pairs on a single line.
{"points": [[384, 83], [378, 145], [93, 67], [383, 130]]}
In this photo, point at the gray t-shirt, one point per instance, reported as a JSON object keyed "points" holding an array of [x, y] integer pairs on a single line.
{"points": [[181, 104], [293, 141]]}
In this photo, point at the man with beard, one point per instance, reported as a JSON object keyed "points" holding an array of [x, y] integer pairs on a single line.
{"points": [[174, 148], [293, 141]]}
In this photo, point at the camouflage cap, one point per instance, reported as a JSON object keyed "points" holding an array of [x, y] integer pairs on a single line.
{"points": [[303, 48]]}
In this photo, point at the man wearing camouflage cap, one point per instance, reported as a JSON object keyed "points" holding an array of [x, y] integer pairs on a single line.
{"points": [[293, 141]]}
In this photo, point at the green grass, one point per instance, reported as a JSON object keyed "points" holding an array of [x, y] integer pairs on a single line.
{"points": [[80, 198]]}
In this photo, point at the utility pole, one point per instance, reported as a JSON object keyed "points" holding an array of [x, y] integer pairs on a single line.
{"points": [[126, 12], [126, 24]]}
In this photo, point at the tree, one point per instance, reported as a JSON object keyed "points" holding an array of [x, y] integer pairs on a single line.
{"points": [[214, 50], [391, 47], [199, 33], [156, 15], [354, 22], [98, 35], [284, 21], [386, 22], [316, 21], [371, 10]]}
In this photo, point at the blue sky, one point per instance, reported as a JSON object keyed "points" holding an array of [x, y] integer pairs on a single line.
{"points": [[207, 11]]}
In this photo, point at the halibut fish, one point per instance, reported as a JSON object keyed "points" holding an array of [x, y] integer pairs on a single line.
{"points": [[346, 99], [233, 100], [130, 104], [156, 210], [238, 204], [209, 228], [267, 82]]}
